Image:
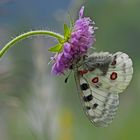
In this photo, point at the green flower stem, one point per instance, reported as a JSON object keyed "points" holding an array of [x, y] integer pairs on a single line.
{"points": [[27, 35]]}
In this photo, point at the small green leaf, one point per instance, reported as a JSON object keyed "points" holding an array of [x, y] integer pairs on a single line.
{"points": [[56, 48], [66, 31], [61, 41]]}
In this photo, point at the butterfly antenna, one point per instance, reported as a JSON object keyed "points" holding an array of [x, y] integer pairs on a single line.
{"points": [[50, 62], [66, 79]]}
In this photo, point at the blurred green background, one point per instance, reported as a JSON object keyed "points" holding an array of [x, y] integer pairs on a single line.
{"points": [[35, 105]]}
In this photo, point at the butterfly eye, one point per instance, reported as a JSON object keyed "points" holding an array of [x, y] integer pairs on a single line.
{"points": [[113, 76]]}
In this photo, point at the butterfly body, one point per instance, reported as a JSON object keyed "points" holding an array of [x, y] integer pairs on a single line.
{"points": [[99, 81]]}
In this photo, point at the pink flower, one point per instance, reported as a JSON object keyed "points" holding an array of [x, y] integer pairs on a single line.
{"points": [[81, 39]]}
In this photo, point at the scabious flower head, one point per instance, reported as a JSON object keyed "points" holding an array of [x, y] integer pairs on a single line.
{"points": [[80, 40]]}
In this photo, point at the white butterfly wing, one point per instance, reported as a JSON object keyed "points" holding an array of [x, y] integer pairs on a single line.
{"points": [[100, 106], [106, 75], [118, 74]]}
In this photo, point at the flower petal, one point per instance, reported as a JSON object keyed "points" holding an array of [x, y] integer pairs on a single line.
{"points": [[67, 47], [81, 12]]}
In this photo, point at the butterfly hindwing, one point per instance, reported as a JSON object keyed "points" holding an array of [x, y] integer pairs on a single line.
{"points": [[100, 80], [100, 107]]}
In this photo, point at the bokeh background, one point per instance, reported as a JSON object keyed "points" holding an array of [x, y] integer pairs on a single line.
{"points": [[35, 105]]}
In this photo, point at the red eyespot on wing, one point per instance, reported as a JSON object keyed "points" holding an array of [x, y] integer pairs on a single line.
{"points": [[95, 80], [113, 76], [82, 72]]}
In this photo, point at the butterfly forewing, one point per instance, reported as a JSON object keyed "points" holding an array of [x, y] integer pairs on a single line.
{"points": [[100, 80], [114, 76]]}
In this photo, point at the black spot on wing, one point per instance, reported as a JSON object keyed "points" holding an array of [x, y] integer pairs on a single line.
{"points": [[95, 105], [84, 86], [88, 107], [88, 98]]}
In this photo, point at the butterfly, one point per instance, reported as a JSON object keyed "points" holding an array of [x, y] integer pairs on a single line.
{"points": [[100, 79]]}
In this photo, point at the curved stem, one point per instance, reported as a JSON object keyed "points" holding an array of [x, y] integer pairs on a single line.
{"points": [[27, 35]]}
